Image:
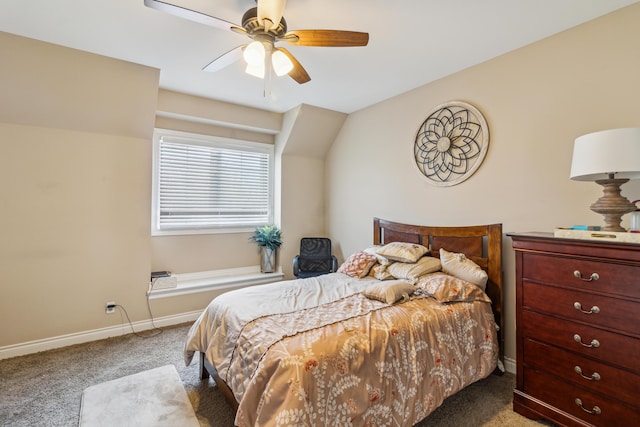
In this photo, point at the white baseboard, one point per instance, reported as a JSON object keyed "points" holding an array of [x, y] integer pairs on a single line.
{"points": [[94, 335], [510, 365]]}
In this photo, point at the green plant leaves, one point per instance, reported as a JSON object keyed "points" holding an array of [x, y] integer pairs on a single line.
{"points": [[267, 235]]}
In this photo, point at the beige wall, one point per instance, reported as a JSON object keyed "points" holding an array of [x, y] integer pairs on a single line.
{"points": [[306, 136], [303, 202], [536, 100], [75, 149]]}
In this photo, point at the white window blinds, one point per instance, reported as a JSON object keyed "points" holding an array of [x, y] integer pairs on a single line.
{"points": [[211, 184]]}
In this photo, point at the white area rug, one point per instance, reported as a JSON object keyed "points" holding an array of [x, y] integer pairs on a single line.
{"points": [[154, 398]]}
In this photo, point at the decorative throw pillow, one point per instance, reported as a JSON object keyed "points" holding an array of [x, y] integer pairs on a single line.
{"points": [[403, 251], [412, 271], [462, 267], [389, 291], [358, 264], [380, 272], [446, 288]]}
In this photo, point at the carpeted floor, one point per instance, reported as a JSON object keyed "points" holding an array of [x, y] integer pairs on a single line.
{"points": [[44, 389]]}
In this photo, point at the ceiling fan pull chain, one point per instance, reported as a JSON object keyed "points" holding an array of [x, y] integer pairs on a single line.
{"points": [[269, 71]]}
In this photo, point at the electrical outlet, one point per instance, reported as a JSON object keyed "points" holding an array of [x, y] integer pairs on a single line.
{"points": [[110, 307]]}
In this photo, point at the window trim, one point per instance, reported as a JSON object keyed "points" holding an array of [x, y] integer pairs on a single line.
{"points": [[207, 140]]}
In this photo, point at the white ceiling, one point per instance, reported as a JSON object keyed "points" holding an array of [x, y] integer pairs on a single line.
{"points": [[412, 42]]}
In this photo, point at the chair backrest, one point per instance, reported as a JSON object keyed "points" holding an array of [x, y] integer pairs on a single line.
{"points": [[315, 247], [315, 254]]}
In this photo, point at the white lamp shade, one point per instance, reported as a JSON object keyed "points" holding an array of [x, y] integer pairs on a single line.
{"points": [[254, 53], [281, 63], [598, 154]]}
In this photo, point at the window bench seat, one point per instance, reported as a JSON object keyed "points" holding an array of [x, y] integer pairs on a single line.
{"points": [[229, 278]]}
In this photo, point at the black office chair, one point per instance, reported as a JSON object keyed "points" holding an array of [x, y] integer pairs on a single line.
{"points": [[314, 258]]}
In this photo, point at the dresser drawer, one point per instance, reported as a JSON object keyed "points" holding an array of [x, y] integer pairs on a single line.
{"points": [[596, 377], [616, 349], [577, 401], [601, 311], [617, 279]]}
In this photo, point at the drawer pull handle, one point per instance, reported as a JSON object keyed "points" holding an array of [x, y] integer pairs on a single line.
{"points": [[594, 310], [594, 377], [594, 343], [592, 278], [594, 411]]}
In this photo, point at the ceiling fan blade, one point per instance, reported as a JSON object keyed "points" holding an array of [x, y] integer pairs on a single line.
{"points": [[225, 59], [271, 10], [298, 73], [334, 38], [191, 15]]}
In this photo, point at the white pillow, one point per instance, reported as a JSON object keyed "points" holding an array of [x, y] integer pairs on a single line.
{"points": [[460, 266]]}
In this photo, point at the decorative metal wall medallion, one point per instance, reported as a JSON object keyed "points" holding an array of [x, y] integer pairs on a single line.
{"points": [[451, 143]]}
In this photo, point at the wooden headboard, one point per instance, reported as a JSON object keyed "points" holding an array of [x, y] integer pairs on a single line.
{"points": [[480, 243]]}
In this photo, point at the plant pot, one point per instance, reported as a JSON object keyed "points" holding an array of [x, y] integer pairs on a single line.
{"points": [[267, 259]]}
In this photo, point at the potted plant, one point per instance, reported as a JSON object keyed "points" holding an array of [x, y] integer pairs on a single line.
{"points": [[268, 238]]}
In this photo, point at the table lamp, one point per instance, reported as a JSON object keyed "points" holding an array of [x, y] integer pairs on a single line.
{"points": [[610, 158]]}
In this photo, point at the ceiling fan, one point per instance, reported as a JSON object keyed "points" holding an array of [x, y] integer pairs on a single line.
{"points": [[266, 26]]}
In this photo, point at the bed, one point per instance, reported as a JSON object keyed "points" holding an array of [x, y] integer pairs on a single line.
{"points": [[325, 351]]}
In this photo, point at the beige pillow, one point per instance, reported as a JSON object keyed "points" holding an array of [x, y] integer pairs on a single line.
{"points": [[403, 251], [412, 271], [389, 291], [462, 267], [380, 272], [373, 250], [358, 264], [447, 289]]}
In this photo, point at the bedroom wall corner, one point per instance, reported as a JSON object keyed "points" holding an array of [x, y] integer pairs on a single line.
{"points": [[307, 134]]}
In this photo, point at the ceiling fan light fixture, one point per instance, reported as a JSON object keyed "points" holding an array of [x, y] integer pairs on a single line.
{"points": [[266, 26], [281, 63], [255, 70], [254, 53]]}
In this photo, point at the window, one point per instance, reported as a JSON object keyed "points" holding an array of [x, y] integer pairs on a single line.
{"points": [[204, 184]]}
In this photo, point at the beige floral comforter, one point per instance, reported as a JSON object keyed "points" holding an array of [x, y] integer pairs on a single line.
{"points": [[343, 359]]}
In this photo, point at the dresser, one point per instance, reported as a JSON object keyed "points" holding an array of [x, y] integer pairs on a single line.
{"points": [[578, 330]]}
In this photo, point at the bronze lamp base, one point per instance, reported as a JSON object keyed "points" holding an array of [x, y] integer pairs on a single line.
{"points": [[612, 205]]}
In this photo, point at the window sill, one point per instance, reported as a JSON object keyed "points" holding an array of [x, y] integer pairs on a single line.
{"points": [[230, 278], [201, 231]]}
